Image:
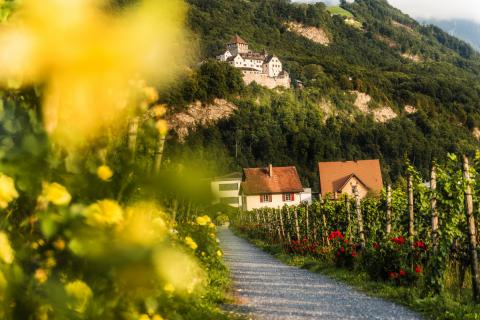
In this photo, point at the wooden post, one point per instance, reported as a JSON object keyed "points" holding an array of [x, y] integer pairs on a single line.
{"points": [[314, 223], [297, 226], [159, 154], [307, 225], [471, 228], [324, 225], [388, 228], [132, 134], [433, 207], [411, 214], [257, 217], [349, 218], [358, 209], [289, 225], [277, 225], [282, 228]]}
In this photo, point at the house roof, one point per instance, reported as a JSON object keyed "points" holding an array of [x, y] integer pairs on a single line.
{"points": [[252, 55], [258, 181], [230, 176], [334, 175], [237, 40]]}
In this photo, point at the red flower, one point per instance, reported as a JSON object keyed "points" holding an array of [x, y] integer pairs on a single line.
{"points": [[335, 234], [354, 254], [399, 240], [342, 249], [418, 269], [392, 275], [376, 245], [338, 253], [402, 273], [419, 244]]}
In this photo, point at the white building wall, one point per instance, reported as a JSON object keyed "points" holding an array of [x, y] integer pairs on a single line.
{"points": [[306, 196], [217, 194], [253, 202]]}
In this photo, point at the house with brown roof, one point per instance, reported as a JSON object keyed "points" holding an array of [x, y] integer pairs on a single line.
{"points": [[271, 187], [339, 178]]}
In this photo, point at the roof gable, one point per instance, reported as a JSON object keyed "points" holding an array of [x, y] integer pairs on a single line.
{"points": [[237, 40], [258, 181], [334, 175]]}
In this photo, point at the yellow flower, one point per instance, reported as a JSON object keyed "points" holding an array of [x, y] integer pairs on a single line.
{"points": [[219, 253], [211, 225], [86, 57], [104, 172], [40, 276], [104, 213], [157, 317], [189, 241], [159, 110], [169, 288], [144, 317], [6, 251], [59, 244], [80, 293], [162, 127], [151, 94], [203, 220], [7, 190], [55, 193]]}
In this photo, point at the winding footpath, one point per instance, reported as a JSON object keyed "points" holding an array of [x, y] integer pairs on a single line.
{"points": [[267, 289]]}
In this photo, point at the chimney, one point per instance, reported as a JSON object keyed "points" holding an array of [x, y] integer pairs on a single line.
{"points": [[270, 170]]}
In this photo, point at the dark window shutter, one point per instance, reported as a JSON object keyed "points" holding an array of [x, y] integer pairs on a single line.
{"points": [[261, 198], [269, 198], [292, 197], [283, 197]]}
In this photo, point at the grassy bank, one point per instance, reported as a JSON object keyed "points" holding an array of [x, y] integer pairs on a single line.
{"points": [[445, 306]]}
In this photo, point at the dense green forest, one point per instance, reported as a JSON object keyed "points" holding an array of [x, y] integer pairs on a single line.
{"points": [[289, 126]]}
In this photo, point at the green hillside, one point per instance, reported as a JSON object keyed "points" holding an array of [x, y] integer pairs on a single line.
{"points": [[337, 10], [394, 59]]}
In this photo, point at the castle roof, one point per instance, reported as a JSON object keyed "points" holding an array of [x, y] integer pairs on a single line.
{"points": [[237, 40], [252, 56]]}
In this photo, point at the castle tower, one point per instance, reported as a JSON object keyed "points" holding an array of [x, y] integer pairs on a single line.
{"points": [[237, 45]]}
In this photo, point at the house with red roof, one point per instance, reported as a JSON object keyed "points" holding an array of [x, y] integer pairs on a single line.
{"points": [[271, 187], [339, 178]]}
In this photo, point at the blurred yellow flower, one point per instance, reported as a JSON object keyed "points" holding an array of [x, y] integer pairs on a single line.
{"points": [[55, 193], [59, 244], [104, 213], [203, 220], [6, 251], [211, 225], [178, 269], [192, 244], [7, 190], [169, 288], [86, 56], [40, 276], [151, 94], [144, 224], [104, 172], [144, 317], [219, 253], [159, 110], [162, 127], [157, 317], [80, 294]]}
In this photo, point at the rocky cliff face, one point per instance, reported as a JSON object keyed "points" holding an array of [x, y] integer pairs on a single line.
{"points": [[198, 114]]}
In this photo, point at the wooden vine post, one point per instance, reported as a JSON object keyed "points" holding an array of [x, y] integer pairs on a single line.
{"points": [[314, 223], [349, 218], [282, 227], [433, 207], [277, 224], [297, 226], [411, 215], [389, 210], [471, 228], [324, 225], [288, 225], [307, 225], [358, 209]]}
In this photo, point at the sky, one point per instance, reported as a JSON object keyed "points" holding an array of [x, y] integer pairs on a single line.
{"points": [[436, 9]]}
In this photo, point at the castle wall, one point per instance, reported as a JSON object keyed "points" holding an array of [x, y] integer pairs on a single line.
{"points": [[266, 81]]}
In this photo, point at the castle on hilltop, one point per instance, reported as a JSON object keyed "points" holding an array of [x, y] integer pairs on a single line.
{"points": [[262, 68]]}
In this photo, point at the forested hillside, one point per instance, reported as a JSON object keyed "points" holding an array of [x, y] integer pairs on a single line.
{"points": [[427, 77]]}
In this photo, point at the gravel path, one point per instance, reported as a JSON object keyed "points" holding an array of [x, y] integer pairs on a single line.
{"points": [[268, 289]]}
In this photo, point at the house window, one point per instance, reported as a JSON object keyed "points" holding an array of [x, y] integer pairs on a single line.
{"points": [[229, 200], [265, 198], [288, 197], [228, 186]]}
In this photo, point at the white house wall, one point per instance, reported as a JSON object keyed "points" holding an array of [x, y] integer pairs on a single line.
{"points": [[253, 202], [217, 194]]}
